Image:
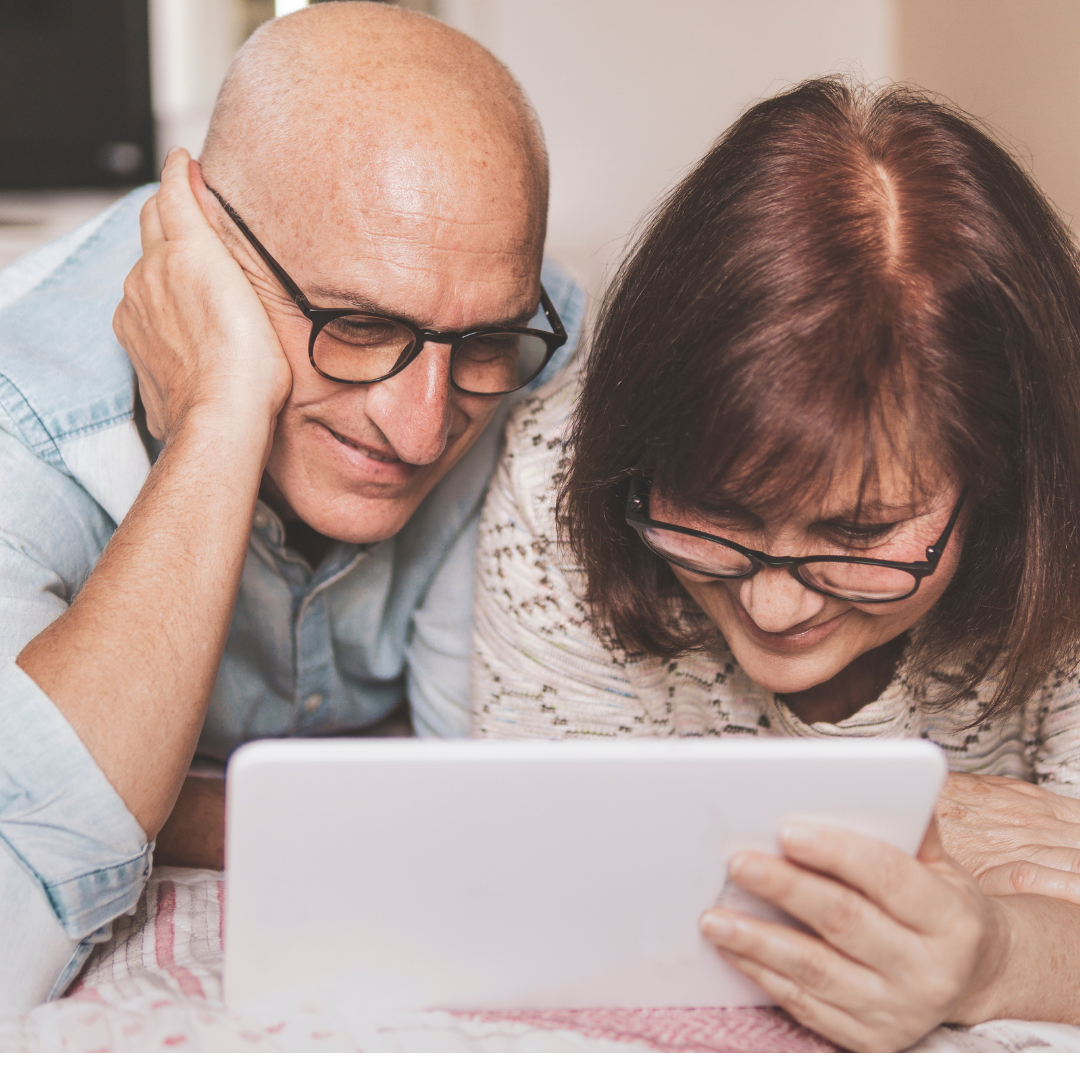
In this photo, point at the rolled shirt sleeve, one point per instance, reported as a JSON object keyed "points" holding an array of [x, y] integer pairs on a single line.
{"points": [[72, 856]]}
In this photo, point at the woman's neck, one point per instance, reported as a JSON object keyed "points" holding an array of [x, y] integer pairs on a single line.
{"points": [[861, 682]]}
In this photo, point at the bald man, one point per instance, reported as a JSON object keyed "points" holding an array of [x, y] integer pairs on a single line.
{"points": [[255, 515]]}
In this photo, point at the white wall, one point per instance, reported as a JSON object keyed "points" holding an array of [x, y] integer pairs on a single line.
{"points": [[632, 92], [1015, 64], [192, 43]]}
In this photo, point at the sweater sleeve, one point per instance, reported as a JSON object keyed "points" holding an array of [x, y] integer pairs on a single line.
{"points": [[1057, 760]]}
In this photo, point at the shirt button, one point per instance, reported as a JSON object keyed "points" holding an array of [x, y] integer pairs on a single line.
{"points": [[313, 702]]}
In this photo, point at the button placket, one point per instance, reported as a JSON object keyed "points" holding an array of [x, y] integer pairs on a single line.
{"points": [[314, 650]]}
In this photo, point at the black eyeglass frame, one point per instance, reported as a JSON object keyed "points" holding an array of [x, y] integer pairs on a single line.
{"points": [[637, 500], [320, 318]]}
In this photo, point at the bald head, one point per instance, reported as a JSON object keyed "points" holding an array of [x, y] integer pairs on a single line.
{"points": [[344, 99], [393, 168]]}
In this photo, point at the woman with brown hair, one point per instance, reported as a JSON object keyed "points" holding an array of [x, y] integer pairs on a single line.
{"points": [[820, 477]]}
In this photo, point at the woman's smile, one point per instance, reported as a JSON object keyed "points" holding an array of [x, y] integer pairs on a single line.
{"points": [[801, 636]]}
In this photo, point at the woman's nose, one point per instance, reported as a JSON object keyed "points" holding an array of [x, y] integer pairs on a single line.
{"points": [[777, 601]]}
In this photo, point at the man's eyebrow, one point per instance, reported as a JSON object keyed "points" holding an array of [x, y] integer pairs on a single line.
{"points": [[345, 298]]}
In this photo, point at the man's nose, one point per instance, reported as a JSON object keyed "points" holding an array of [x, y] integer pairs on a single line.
{"points": [[413, 408], [776, 601]]}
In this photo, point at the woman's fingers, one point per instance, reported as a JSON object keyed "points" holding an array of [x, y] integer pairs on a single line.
{"points": [[833, 1023], [808, 963], [1029, 877], [899, 885], [843, 917], [823, 990]]}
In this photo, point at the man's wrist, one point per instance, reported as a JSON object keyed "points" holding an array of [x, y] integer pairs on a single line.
{"points": [[246, 426]]}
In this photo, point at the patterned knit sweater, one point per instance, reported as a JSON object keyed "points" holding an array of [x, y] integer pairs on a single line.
{"points": [[540, 669]]}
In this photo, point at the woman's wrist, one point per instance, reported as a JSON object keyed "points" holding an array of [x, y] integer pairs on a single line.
{"points": [[1033, 964], [987, 991]]}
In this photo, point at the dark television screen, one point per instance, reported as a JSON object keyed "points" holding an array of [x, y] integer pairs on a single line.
{"points": [[74, 93]]}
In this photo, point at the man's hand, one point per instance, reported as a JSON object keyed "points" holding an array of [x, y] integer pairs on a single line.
{"points": [[1013, 836], [132, 662], [905, 944], [190, 320]]}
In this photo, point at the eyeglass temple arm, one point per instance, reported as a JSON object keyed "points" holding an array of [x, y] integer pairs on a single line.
{"points": [[933, 553], [301, 300], [552, 315], [287, 282]]}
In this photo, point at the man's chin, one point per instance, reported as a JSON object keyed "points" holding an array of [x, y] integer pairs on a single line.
{"points": [[360, 521]]}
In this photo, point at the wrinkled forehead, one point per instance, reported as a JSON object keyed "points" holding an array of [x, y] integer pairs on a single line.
{"points": [[394, 218]]}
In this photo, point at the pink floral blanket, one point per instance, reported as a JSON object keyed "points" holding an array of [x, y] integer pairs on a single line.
{"points": [[156, 986]]}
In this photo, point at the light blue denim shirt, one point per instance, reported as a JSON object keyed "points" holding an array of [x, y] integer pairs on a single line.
{"points": [[310, 652]]}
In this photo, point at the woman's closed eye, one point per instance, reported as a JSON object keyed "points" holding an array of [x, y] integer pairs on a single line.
{"points": [[723, 519], [859, 534]]}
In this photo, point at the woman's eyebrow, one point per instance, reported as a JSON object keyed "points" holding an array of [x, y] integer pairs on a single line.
{"points": [[894, 512]]}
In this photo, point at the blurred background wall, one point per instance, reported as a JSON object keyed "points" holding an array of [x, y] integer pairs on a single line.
{"points": [[631, 92], [1016, 63]]}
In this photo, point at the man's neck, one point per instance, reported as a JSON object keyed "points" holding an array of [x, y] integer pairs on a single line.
{"points": [[310, 545], [300, 537]]}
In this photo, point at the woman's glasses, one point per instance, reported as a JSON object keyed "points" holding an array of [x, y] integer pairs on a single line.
{"points": [[846, 577], [348, 345]]}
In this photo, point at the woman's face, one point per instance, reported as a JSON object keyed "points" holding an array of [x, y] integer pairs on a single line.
{"points": [[788, 638]]}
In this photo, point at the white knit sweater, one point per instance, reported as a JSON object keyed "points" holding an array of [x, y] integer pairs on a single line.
{"points": [[541, 671]]}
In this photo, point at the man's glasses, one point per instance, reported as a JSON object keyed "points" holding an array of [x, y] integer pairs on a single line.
{"points": [[348, 345], [846, 577]]}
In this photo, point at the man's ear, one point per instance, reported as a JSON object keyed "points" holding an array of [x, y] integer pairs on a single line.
{"points": [[211, 208]]}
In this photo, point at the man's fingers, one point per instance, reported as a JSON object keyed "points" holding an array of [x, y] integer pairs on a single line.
{"points": [[1029, 877], [195, 178], [181, 215], [150, 230], [1055, 858]]}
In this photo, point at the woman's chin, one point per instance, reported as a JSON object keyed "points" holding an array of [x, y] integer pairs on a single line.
{"points": [[787, 674]]}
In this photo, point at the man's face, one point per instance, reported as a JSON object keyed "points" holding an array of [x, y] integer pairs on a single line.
{"points": [[354, 462]]}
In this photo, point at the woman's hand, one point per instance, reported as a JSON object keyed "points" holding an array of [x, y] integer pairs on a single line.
{"points": [[905, 945], [190, 320], [1013, 836]]}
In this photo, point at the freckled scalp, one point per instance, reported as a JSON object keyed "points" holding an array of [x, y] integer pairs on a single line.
{"points": [[351, 103]]}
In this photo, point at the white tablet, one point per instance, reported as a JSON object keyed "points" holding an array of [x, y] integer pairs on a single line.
{"points": [[498, 875]]}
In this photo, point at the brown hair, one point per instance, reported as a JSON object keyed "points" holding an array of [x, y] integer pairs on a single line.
{"points": [[840, 257]]}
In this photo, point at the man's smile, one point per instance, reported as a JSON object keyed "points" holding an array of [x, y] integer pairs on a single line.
{"points": [[375, 455]]}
